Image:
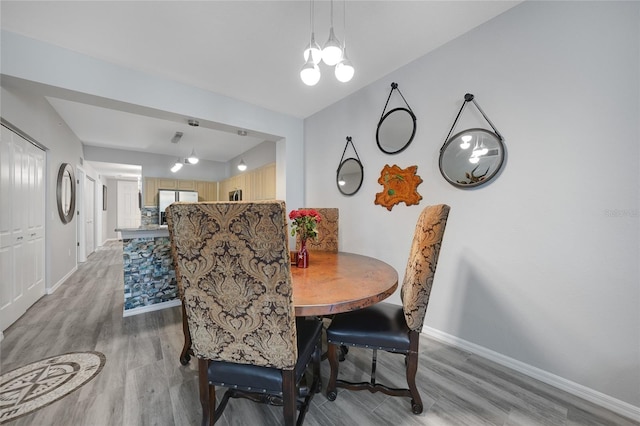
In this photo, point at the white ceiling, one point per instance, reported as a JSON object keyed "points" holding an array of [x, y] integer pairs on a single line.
{"points": [[247, 50]]}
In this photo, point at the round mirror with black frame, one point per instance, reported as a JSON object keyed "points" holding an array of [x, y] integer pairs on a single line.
{"points": [[471, 158], [397, 127], [66, 192], [350, 175], [396, 130]]}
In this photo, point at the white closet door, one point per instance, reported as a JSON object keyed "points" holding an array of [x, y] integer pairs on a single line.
{"points": [[35, 284], [89, 213], [128, 208], [8, 242], [22, 195]]}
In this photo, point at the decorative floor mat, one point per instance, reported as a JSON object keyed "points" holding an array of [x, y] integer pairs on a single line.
{"points": [[38, 384]]}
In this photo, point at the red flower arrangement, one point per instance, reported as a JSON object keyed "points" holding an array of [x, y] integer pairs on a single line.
{"points": [[304, 223]]}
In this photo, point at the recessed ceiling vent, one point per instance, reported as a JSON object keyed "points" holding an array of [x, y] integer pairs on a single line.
{"points": [[176, 138]]}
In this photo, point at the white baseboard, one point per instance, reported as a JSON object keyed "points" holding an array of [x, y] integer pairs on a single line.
{"points": [[591, 395], [62, 280], [151, 308]]}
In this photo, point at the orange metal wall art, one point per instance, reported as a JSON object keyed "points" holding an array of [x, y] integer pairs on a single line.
{"points": [[399, 185]]}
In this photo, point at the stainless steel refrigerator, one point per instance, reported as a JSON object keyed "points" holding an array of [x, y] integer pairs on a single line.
{"points": [[166, 197]]}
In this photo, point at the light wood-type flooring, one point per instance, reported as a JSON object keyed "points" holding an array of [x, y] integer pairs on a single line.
{"points": [[143, 382]]}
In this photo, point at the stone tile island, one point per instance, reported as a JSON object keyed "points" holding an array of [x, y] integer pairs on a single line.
{"points": [[149, 275]]}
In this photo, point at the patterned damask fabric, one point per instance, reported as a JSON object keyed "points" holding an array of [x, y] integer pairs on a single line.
{"points": [[421, 267], [327, 231], [233, 264]]}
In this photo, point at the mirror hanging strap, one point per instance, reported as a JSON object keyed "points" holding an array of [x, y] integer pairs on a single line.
{"points": [[346, 145], [394, 86], [470, 98]]}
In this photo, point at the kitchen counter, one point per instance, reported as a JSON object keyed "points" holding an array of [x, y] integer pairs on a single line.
{"points": [[149, 276], [144, 231]]}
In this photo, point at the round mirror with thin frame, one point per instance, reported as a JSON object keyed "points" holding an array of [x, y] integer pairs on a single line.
{"points": [[471, 158], [66, 192], [396, 130], [349, 177]]}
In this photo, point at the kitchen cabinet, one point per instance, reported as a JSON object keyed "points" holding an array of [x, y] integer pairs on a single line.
{"points": [[261, 183], [185, 185], [258, 184], [207, 191], [150, 191], [164, 183]]}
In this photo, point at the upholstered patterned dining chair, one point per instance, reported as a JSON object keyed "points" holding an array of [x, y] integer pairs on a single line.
{"points": [[187, 351], [234, 267], [390, 327], [327, 231]]}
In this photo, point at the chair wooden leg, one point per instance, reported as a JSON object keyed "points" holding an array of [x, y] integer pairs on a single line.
{"points": [[332, 355], [185, 356], [207, 393], [412, 368], [289, 397]]}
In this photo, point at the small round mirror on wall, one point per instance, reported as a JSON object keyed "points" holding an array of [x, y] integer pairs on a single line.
{"points": [[349, 176], [396, 130], [471, 158], [66, 192]]}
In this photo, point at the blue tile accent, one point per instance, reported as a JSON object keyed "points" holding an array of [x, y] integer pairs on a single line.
{"points": [[151, 219], [149, 275]]}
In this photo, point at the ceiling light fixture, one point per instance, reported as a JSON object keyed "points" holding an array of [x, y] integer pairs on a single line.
{"points": [[333, 54], [313, 48], [176, 138], [177, 166], [242, 166], [193, 158], [310, 72], [332, 50], [344, 69]]}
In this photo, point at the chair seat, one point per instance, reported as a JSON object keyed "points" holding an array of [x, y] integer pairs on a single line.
{"points": [[381, 326], [253, 378]]}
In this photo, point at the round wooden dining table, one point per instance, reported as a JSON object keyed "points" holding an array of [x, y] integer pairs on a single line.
{"points": [[340, 282]]}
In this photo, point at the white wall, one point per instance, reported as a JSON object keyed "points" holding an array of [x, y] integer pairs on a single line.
{"points": [[541, 265], [157, 165], [256, 157]]}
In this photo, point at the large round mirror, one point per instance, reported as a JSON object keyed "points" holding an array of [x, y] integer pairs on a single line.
{"points": [[471, 158], [396, 130], [66, 192], [350, 175]]}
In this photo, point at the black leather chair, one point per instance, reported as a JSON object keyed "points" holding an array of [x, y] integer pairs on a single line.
{"points": [[390, 327], [234, 267]]}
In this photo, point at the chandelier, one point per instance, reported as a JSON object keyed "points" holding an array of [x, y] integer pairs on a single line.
{"points": [[332, 54]]}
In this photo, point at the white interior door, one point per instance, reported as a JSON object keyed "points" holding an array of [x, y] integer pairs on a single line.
{"points": [[22, 230], [89, 215], [128, 208]]}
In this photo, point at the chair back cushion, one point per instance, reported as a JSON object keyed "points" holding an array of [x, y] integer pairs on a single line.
{"points": [[421, 267], [327, 231], [233, 262]]}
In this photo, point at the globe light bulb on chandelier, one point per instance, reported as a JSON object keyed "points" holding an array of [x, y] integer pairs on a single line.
{"points": [[344, 69], [313, 48], [310, 73], [332, 50]]}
